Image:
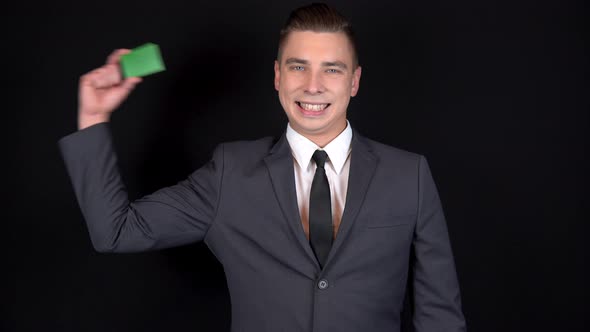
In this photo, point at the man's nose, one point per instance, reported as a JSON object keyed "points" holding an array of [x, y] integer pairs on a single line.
{"points": [[314, 84]]}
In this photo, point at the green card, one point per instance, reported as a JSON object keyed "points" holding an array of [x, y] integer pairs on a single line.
{"points": [[142, 61]]}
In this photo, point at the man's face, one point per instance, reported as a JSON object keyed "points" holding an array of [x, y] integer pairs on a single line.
{"points": [[315, 80]]}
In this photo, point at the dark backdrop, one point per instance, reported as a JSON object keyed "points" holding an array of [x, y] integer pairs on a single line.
{"points": [[494, 93]]}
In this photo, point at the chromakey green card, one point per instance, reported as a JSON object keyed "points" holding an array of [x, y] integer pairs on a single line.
{"points": [[142, 61]]}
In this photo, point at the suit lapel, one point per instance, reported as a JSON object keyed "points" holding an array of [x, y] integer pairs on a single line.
{"points": [[280, 166], [362, 167]]}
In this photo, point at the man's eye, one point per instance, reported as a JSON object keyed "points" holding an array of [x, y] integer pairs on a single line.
{"points": [[297, 68], [333, 70]]}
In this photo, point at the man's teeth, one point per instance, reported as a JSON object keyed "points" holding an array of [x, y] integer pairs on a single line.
{"points": [[313, 107]]}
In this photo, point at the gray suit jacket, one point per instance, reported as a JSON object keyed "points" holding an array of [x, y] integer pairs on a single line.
{"points": [[243, 205]]}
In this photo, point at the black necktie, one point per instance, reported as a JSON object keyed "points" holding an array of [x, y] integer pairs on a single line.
{"points": [[320, 210]]}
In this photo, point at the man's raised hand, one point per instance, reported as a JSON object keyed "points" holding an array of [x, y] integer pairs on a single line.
{"points": [[102, 90]]}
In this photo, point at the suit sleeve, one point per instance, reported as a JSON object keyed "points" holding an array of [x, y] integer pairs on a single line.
{"points": [[437, 299], [172, 216]]}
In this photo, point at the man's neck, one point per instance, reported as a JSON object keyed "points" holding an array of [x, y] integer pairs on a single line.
{"points": [[322, 139]]}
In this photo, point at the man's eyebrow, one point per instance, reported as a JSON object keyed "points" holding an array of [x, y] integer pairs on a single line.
{"points": [[296, 60], [338, 64]]}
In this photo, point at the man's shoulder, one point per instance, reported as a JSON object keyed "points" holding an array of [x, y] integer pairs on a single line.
{"points": [[245, 157], [388, 152], [247, 151], [250, 147]]}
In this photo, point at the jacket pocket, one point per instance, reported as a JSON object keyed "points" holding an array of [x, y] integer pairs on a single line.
{"points": [[390, 221]]}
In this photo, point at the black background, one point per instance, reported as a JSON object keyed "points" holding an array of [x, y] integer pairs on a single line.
{"points": [[494, 93]]}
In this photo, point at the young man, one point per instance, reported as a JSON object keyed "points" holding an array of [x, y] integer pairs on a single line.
{"points": [[318, 231]]}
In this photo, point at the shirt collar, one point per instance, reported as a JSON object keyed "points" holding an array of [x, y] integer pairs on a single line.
{"points": [[338, 149]]}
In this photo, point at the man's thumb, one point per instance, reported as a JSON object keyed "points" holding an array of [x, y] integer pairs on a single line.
{"points": [[130, 82]]}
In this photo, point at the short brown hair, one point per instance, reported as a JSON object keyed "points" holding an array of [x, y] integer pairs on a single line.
{"points": [[318, 17]]}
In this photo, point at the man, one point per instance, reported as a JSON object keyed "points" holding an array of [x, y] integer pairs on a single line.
{"points": [[318, 231]]}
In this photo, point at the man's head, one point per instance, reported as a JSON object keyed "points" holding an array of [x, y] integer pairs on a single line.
{"points": [[317, 71], [318, 17]]}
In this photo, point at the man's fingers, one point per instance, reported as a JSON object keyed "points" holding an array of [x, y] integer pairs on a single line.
{"points": [[103, 77], [130, 82], [108, 76], [114, 57]]}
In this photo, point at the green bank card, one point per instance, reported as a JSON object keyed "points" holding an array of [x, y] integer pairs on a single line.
{"points": [[142, 61]]}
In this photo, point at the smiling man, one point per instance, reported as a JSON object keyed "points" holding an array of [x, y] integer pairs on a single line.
{"points": [[320, 230], [316, 73]]}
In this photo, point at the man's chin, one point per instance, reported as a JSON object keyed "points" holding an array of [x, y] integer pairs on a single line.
{"points": [[315, 129]]}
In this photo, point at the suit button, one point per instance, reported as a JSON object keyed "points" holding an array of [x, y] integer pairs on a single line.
{"points": [[323, 284]]}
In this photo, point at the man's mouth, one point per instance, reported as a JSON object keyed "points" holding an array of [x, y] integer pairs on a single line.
{"points": [[312, 107]]}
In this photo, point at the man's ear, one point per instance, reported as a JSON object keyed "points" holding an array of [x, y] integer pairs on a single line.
{"points": [[356, 80], [277, 75]]}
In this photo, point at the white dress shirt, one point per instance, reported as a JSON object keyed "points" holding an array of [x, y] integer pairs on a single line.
{"points": [[337, 169]]}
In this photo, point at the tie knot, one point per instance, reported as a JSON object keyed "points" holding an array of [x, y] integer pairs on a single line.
{"points": [[320, 156]]}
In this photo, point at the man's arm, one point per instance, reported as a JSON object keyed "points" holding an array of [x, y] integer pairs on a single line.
{"points": [[437, 300], [171, 216]]}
